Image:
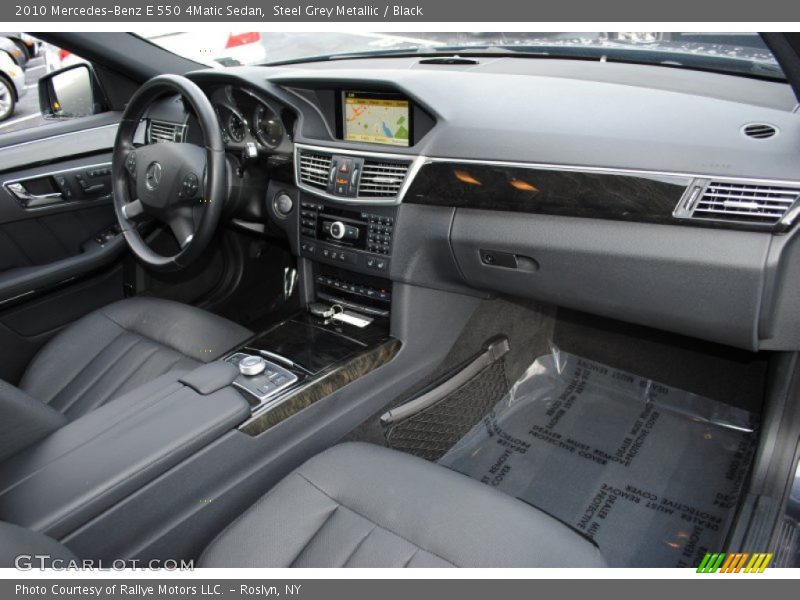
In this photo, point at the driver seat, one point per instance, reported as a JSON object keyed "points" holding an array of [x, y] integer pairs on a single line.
{"points": [[122, 346]]}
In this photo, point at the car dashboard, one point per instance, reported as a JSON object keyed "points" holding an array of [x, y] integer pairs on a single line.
{"points": [[661, 196]]}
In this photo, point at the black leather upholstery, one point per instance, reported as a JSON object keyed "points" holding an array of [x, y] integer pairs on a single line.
{"points": [[92, 463], [24, 420], [17, 541], [360, 505], [122, 346]]}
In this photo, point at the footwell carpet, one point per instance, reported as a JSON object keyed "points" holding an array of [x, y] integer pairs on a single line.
{"points": [[650, 473]]}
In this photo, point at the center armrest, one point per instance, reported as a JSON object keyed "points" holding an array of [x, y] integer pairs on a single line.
{"points": [[93, 462]]}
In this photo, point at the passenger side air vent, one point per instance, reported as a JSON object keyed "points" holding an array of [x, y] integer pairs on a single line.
{"points": [[382, 179], [163, 131], [759, 131], [737, 201], [315, 169]]}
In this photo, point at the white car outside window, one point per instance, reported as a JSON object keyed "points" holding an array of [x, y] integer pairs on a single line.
{"points": [[12, 85]]}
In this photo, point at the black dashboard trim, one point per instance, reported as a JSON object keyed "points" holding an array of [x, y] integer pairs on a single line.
{"points": [[547, 191], [573, 191]]}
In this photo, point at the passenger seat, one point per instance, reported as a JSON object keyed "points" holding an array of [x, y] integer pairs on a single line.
{"points": [[361, 505]]}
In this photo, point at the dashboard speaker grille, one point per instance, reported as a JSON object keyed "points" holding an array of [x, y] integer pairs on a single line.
{"points": [[163, 131], [315, 168], [744, 202], [382, 179]]}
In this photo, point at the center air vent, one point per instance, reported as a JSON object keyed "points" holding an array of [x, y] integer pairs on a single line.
{"points": [[759, 131], [382, 179], [163, 131], [315, 169], [351, 176], [737, 201]]}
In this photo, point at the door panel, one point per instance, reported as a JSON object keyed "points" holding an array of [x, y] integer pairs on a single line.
{"points": [[68, 181], [48, 238], [60, 252], [67, 235], [49, 213]]}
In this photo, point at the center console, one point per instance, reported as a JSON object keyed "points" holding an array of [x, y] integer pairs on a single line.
{"points": [[92, 463], [345, 250], [350, 253], [302, 360]]}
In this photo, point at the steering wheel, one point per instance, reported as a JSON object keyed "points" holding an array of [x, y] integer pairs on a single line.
{"points": [[181, 185]]}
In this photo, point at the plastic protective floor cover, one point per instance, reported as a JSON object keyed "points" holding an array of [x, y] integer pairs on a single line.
{"points": [[652, 474]]}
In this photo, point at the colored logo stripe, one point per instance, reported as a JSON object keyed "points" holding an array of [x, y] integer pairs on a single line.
{"points": [[758, 563], [735, 562]]}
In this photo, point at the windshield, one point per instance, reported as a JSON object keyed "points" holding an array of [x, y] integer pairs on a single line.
{"points": [[739, 53]]}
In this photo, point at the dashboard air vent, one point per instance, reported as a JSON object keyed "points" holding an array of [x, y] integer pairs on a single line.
{"points": [[315, 168], [382, 179], [759, 131], [449, 60], [163, 131], [744, 202]]}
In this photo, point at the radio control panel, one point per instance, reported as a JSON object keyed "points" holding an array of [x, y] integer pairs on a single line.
{"points": [[356, 239]]}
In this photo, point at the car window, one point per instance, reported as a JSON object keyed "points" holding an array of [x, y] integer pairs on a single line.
{"points": [[741, 53], [19, 77]]}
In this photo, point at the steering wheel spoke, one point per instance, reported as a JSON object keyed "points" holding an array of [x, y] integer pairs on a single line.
{"points": [[181, 223], [133, 210]]}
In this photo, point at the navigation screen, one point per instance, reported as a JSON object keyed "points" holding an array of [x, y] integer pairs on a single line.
{"points": [[376, 120]]}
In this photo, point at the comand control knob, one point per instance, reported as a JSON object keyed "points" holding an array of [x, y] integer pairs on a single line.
{"points": [[337, 230], [252, 365]]}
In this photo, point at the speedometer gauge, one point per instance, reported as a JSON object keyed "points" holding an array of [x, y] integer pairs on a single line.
{"points": [[236, 127], [268, 128]]}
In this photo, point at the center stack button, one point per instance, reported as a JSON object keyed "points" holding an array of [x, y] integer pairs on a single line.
{"points": [[337, 230]]}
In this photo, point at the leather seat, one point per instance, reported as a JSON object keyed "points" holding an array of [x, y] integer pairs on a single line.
{"points": [[360, 505], [16, 541], [123, 346]]}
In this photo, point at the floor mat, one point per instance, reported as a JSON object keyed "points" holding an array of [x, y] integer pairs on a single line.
{"points": [[650, 473]]}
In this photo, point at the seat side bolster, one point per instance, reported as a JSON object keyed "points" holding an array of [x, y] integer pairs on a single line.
{"points": [[25, 420], [17, 541]]}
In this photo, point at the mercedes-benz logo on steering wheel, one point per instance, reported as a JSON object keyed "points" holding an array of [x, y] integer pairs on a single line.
{"points": [[152, 176]]}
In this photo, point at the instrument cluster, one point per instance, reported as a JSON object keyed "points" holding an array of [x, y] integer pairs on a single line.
{"points": [[246, 117]]}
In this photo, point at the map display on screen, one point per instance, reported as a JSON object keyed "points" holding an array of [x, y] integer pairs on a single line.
{"points": [[376, 120]]}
